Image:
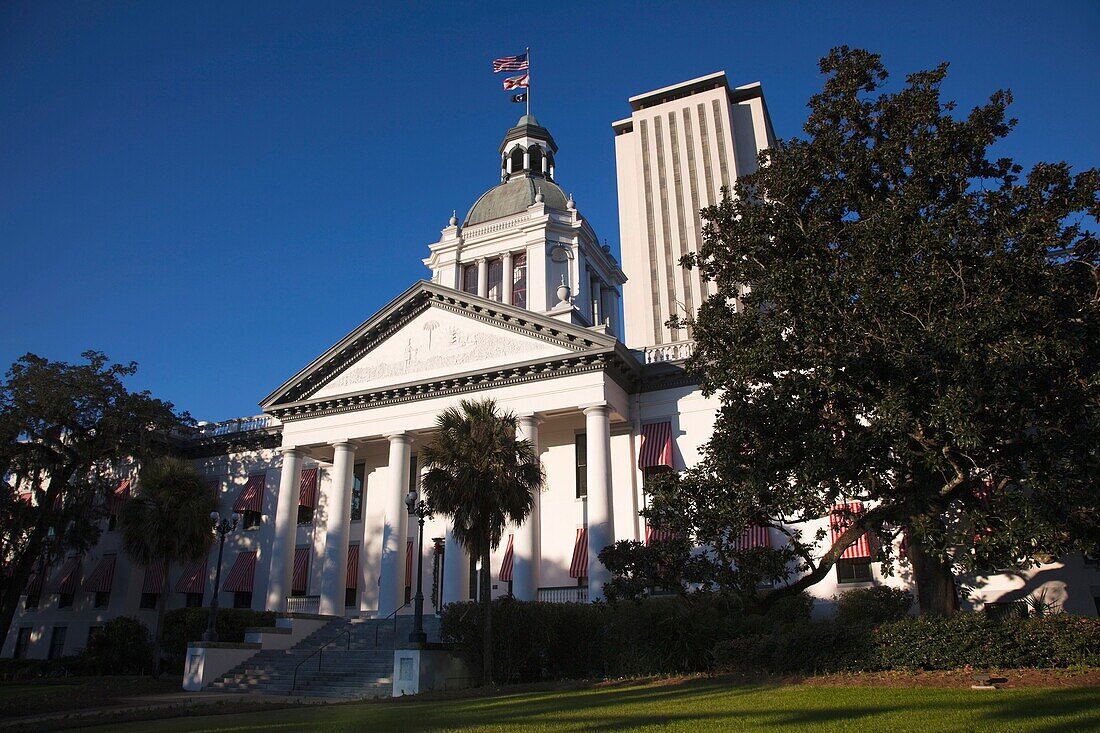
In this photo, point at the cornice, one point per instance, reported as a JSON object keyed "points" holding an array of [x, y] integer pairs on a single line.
{"points": [[608, 360]]}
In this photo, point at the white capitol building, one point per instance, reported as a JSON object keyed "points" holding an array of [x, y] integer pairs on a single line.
{"points": [[520, 303]]}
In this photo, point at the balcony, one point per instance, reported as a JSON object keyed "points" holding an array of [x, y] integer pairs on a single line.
{"points": [[677, 351], [565, 594], [237, 425]]}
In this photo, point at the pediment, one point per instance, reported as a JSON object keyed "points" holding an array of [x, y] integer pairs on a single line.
{"points": [[433, 344], [432, 332]]}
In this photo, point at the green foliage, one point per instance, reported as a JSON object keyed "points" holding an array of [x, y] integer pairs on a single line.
{"points": [[963, 640], [922, 333], [537, 641], [184, 625], [65, 430], [483, 477], [978, 641], [122, 646], [166, 521], [876, 605]]}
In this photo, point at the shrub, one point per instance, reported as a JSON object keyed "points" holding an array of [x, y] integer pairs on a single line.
{"points": [[184, 625], [877, 605], [122, 646], [978, 641]]}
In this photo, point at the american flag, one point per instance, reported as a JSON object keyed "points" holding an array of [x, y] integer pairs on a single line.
{"points": [[510, 63], [516, 82]]}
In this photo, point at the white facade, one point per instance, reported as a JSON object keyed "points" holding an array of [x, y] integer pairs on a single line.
{"points": [[543, 338]]}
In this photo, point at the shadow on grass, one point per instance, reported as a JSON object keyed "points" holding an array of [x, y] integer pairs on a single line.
{"points": [[695, 705]]}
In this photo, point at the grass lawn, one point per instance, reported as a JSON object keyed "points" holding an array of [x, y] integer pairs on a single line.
{"points": [[74, 693], [694, 706]]}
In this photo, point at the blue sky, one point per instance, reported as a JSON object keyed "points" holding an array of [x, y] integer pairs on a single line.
{"points": [[221, 190]]}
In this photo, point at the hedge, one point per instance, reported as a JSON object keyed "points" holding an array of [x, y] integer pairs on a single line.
{"points": [[707, 632], [184, 625]]}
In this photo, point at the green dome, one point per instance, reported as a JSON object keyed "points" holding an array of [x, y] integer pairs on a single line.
{"points": [[528, 120], [512, 197]]}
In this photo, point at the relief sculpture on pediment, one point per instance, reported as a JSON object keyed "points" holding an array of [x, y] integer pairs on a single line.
{"points": [[433, 347]]}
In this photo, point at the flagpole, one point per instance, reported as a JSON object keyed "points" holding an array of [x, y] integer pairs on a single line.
{"points": [[528, 80]]}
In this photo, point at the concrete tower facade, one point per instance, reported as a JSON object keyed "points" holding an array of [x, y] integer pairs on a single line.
{"points": [[678, 149]]}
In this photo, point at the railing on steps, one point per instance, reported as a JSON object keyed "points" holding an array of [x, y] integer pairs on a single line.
{"points": [[564, 594], [394, 616], [320, 654], [303, 604]]}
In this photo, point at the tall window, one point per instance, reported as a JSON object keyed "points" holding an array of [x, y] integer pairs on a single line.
{"points": [[57, 642], [242, 599], [496, 280], [582, 465], [519, 280], [22, 643], [469, 278], [250, 520], [357, 492]]}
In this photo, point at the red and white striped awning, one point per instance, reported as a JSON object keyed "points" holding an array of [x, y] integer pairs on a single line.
{"points": [[352, 581], [300, 580], [656, 447], [67, 579], [242, 573], [101, 579], [119, 495], [506, 565], [307, 495], [252, 496], [409, 564], [35, 581], [193, 579], [578, 568], [840, 518], [156, 577], [753, 537], [652, 534]]}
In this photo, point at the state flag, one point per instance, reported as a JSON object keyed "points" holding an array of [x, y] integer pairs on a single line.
{"points": [[516, 82]]}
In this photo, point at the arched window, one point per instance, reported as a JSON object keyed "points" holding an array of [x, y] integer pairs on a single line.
{"points": [[517, 159], [536, 159]]}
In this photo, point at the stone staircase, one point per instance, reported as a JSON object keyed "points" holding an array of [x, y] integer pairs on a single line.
{"points": [[361, 668]]}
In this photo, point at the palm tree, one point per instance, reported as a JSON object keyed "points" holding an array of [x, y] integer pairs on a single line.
{"points": [[166, 521], [481, 476]]}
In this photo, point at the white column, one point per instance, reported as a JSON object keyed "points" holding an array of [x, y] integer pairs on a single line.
{"points": [[594, 296], [391, 593], [483, 277], [338, 508], [506, 278], [286, 525], [526, 547], [545, 164], [600, 529], [456, 570], [526, 160]]}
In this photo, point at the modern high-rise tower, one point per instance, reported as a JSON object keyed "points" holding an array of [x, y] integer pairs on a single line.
{"points": [[680, 146]]}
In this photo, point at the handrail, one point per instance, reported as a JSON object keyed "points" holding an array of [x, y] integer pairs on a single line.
{"points": [[394, 614], [320, 652]]}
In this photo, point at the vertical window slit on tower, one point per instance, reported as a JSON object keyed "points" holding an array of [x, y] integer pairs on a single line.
{"points": [[647, 188], [666, 227], [693, 187], [721, 144], [707, 174], [681, 228]]}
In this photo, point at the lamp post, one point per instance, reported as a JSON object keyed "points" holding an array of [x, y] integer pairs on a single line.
{"points": [[420, 508], [221, 528]]}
